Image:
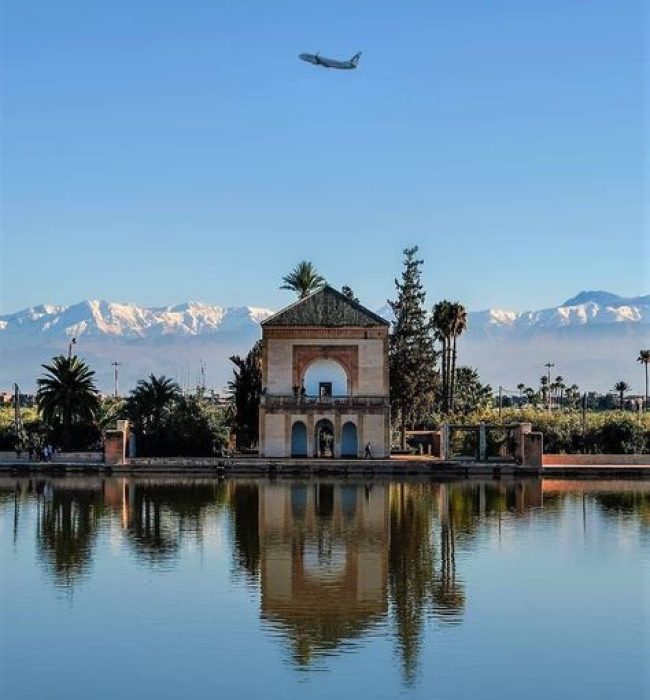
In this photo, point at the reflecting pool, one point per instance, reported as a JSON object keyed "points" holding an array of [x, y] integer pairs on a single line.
{"points": [[243, 588]]}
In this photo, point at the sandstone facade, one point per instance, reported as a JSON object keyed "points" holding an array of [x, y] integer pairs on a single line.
{"points": [[325, 380]]}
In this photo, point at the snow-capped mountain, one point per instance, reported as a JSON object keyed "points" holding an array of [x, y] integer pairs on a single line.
{"points": [[96, 318], [586, 308], [593, 339], [174, 340]]}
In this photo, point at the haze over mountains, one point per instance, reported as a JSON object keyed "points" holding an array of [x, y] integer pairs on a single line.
{"points": [[593, 339]]}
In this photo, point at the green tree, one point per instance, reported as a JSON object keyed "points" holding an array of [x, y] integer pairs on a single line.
{"points": [[193, 428], [449, 321], [412, 355], [303, 279], [441, 324], [245, 391], [621, 387], [67, 395], [146, 407], [544, 388], [644, 359], [458, 326], [470, 393]]}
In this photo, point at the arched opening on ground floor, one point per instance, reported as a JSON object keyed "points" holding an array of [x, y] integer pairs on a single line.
{"points": [[324, 439], [298, 439], [349, 440]]}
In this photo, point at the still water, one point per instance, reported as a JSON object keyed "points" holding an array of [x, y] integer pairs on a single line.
{"points": [[194, 588]]}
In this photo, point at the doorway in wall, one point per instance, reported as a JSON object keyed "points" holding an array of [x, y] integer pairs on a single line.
{"points": [[324, 439]]}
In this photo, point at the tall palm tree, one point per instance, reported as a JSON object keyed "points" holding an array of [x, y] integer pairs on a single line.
{"points": [[574, 389], [67, 394], [458, 326], [149, 400], [303, 279], [544, 388], [644, 359], [621, 387], [441, 322], [559, 386]]}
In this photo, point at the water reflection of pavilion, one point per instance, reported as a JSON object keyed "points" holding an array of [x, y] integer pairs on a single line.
{"points": [[323, 561]]}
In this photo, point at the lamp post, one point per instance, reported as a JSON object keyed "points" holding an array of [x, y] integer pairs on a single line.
{"points": [[115, 377], [73, 341], [548, 366]]}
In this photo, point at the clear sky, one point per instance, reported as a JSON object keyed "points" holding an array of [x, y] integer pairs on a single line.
{"points": [[162, 151]]}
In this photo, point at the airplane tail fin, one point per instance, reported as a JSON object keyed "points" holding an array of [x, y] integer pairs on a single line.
{"points": [[355, 59]]}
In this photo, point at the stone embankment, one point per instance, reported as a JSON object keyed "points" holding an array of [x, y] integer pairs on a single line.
{"points": [[588, 466]]}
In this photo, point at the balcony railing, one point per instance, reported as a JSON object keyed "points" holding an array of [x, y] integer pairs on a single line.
{"points": [[305, 401]]}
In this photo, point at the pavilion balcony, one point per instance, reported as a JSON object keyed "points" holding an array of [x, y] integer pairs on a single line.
{"points": [[306, 401]]}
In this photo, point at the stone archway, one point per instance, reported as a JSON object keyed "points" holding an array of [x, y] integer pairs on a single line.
{"points": [[324, 438]]}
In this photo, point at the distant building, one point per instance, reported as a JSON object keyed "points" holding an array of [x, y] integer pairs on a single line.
{"points": [[24, 400], [325, 383]]}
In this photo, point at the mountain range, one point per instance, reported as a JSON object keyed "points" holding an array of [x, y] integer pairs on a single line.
{"points": [[593, 339]]}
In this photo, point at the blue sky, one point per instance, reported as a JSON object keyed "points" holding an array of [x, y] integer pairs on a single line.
{"points": [[163, 151]]}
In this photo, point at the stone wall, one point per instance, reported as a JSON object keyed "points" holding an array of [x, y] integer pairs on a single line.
{"points": [[596, 460]]}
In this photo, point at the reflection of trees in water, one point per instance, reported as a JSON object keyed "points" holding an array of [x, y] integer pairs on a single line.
{"points": [[244, 499], [626, 503], [422, 562], [162, 514], [410, 568], [67, 522]]}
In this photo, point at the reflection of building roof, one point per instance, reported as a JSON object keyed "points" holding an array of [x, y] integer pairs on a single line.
{"points": [[326, 307]]}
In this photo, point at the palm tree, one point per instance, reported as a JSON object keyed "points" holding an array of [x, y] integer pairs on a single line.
{"points": [[448, 320], [67, 394], [303, 279], [441, 322], [621, 387], [149, 400], [458, 326], [644, 359], [559, 389], [544, 387]]}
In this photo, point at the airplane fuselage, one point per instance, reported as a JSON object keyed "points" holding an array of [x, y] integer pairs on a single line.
{"points": [[329, 62]]}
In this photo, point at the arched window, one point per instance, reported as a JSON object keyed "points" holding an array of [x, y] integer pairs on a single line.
{"points": [[326, 378]]}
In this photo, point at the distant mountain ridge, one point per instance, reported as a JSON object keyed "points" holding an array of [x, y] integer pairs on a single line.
{"points": [[588, 307], [591, 336], [130, 320]]}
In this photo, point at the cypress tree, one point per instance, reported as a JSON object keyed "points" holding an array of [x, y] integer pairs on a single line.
{"points": [[411, 352]]}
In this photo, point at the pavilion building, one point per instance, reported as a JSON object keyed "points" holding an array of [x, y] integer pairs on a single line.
{"points": [[325, 382]]}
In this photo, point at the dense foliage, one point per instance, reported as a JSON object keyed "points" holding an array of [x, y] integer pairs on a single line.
{"points": [[601, 432], [168, 424], [245, 391]]}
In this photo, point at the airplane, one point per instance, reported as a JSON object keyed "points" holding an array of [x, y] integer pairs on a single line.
{"points": [[330, 62]]}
